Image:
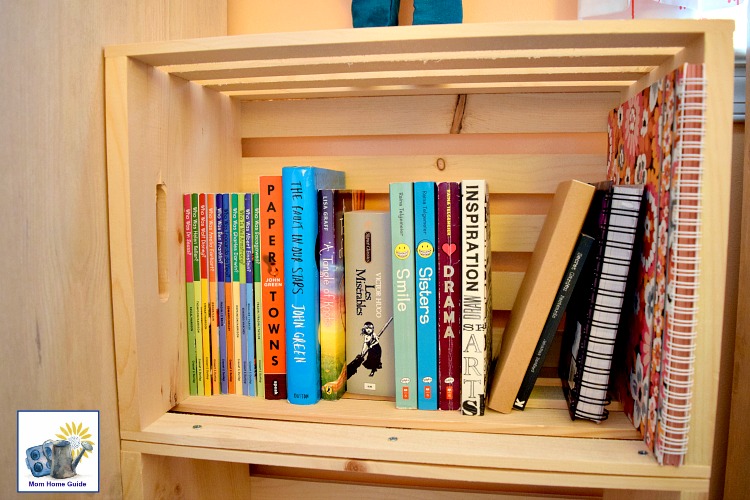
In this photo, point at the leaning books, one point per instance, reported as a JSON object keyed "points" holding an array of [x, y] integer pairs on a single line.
{"points": [[595, 308], [369, 307], [536, 297]]}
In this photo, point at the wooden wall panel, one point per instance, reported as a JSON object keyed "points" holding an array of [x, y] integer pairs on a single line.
{"points": [[57, 327]]}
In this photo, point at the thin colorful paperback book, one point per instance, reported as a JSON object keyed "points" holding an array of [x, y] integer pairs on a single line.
{"points": [[213, 294], [248, 316], [190, 294], [197, 298], [260, 380], [228, 293], [221, 305], [205, 315]]}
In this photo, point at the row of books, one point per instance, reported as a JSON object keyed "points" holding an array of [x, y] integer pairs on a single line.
{"points": [[272, 312]]}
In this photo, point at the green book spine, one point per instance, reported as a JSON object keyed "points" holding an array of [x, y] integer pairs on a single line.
{"points": [[404, 305], [189, 293], [261, 384]]}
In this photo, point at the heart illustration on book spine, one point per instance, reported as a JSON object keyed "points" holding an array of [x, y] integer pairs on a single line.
{"points": [[449, 248]]}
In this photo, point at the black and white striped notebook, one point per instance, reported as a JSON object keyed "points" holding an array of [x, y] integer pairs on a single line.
{"points": [[593, 315]]}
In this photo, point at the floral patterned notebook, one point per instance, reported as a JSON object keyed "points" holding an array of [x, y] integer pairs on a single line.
{"points": [[644, 135]]}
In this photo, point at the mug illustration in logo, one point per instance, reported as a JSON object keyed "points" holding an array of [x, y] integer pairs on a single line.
{"points": [[37, 461]]}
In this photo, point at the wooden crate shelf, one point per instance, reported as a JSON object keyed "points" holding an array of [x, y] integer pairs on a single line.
{"points": [[522, 105]]}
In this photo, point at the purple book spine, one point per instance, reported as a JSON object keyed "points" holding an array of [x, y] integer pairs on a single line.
{"points": [[449, 295]]}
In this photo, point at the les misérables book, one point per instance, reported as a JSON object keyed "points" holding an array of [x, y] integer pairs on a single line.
{"points": [[300, 187], [552, 251], [369, 307]]}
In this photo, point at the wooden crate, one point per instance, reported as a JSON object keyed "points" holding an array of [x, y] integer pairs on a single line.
{"points": [[522, 105]]}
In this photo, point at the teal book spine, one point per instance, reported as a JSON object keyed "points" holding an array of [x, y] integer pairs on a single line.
{"points": [[425, 261], [300, 187], [404, 303]]}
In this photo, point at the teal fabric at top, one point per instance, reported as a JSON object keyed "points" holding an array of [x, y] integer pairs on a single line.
{"points": [[369, 13], [438, 12]]}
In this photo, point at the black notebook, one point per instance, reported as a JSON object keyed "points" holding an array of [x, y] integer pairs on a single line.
{"points": [[593, 314]]}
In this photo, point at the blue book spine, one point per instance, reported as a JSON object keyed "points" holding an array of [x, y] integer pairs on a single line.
{"points": [[300, 187], [249, 285], [425, 263], [404, 307], [221, 306]]}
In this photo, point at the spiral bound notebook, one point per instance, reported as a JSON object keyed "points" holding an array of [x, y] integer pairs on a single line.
{"points": [[655, 355], [593, 315], [678, 339]]}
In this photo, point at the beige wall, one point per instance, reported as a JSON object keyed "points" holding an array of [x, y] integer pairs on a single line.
{"points": [[55, 295], [256, 16]]}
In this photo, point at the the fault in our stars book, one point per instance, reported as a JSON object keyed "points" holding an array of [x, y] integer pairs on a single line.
{"points": [[300, 187], [425, 263]]}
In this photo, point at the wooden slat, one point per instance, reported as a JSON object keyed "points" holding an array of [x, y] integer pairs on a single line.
{"points": [[424, 144], [538, 174], [580, 86], [553, 57], [473, 474], [429, 114], [368, 414], [423, 77], [515, 233], [505, 287], [429, 39], [470, 444]]}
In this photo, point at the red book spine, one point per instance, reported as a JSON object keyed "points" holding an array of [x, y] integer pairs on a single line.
{"points": [[272, 285], [449, 295]]}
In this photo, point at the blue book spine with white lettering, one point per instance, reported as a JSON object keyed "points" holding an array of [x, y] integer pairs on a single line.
{"points": [[404, 310], [426, 286], [221, 305], [300, 187], [249, 285]]}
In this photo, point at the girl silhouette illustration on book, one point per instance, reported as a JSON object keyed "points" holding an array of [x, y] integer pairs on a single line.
{"points": [[369, 357]]}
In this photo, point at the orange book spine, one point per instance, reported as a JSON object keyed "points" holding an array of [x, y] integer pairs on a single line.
{"points": [[272, 285]]}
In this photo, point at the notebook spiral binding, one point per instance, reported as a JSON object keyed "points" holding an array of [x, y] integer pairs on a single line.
{"points": [[678, 355]]}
